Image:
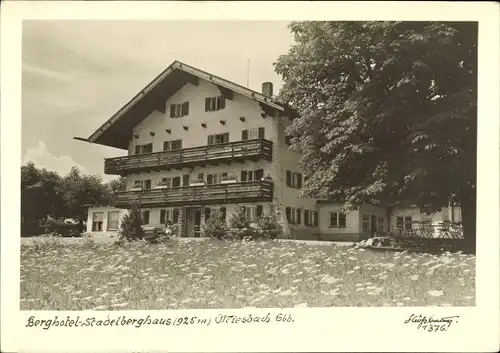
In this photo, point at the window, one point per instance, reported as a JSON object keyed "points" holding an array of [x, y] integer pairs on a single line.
{"points": [[218, 139], [293, 215], [97, 219], [251, 213], [167, 216], [215, 103], [380, 224], [255, 133], [408, 222], [147, 184], [310, 218], [172, 145], [166, 181], [337, 220], [138, 184], [113, 220], [252, 175], [366, 222], [293, 180], [179, 110], [399, 222], [185, 179], [141, 149], [145, 217], [288, 140], [298, 217], [176, 182]]}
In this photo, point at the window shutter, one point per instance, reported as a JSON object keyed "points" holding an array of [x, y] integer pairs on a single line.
{"points": [[306, 218], [299, 180], [176, 215], [259, 174], [262, 132], [299, 216], [315, 218], [210, 179], [226, 137], [172, 110], [211, 139], [185, 179], [288, 178], [162, 216], [223, 212], [207, 213], [138, 149], [288, 212], [259, 210], [185, 108], [243, 175], [207, 104], [222, 102], [179, 144], [244, 135]]}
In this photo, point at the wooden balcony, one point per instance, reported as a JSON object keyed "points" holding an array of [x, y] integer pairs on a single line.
{"points": [[187, 157], [252, 191]]}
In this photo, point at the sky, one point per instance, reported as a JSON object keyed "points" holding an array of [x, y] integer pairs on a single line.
{"points": [[77, 74]]}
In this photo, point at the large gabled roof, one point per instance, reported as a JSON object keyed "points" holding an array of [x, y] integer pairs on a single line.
{"points": [[117, 130]]}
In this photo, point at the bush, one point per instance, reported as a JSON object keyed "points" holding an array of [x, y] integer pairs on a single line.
{"points": [[131, 226], [158, 235], [268, 226], [63, 229], [240, 227], [215, 226]]}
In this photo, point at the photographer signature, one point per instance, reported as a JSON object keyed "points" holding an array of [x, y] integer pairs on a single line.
{"points": [[430, 323]]}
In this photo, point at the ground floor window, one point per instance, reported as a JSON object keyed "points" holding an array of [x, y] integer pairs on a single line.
{"points": [[171, 215], [310, 218], [113, 220], [293, 215], [337, 220], [380, 224], [404, 222], [97, 221], [145, 217]]}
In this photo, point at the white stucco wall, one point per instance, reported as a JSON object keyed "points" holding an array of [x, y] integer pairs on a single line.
{"points": [[105, 210]]}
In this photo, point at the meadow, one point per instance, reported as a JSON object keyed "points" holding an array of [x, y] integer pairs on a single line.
{"points": [[86, 275]]}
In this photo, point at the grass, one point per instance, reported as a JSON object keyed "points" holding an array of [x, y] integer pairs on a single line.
{"points": [[212, 274]]}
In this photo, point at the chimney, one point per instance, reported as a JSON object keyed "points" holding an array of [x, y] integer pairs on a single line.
{"points": [[267, 89]]}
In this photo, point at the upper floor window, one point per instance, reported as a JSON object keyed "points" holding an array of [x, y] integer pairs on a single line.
{"points": [[218, 138], [179, 110], [293, 180], [215, 103], [255, 133], [141, 149], [252, 175], [143, 184], [172, 145]]}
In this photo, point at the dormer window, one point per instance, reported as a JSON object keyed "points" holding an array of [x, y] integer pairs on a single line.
{"points": [[215, 103], [179, 110]]}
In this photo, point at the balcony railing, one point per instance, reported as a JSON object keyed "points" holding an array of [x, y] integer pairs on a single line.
{"points": [[252, 191], [187, 157]]}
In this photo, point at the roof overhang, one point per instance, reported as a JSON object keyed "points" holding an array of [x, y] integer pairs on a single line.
{"points": [[117, 130]]}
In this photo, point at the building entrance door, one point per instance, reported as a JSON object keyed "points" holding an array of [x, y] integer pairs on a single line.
{"points": [[193, 221]]}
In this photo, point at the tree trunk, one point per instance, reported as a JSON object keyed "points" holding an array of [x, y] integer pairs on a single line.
{"points": [[469, 226]]}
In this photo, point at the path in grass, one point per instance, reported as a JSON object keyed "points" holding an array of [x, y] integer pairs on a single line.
{"points": [[56, 276]]}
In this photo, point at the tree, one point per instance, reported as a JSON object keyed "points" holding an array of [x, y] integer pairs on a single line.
{"points": [[387, 112], [112, 188], [131, 225]]}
